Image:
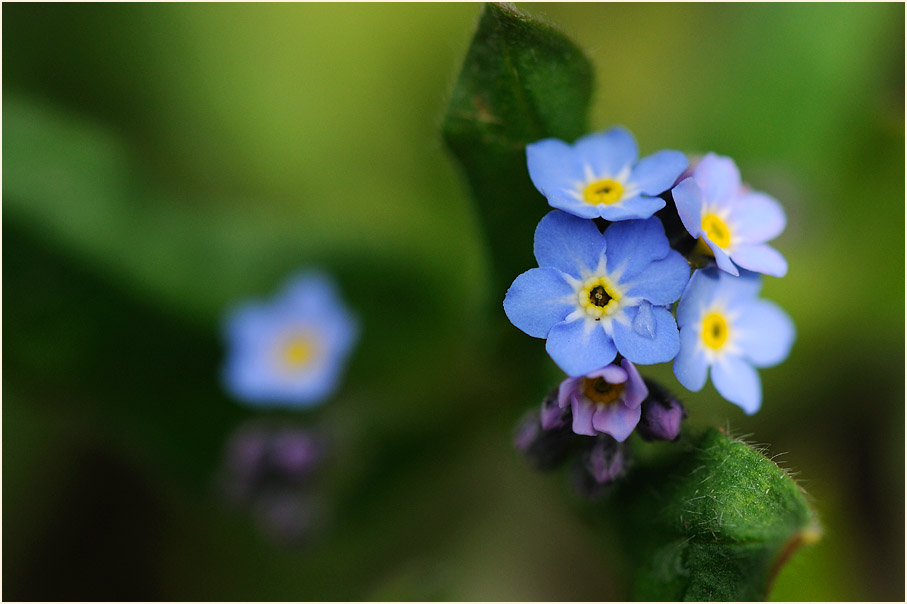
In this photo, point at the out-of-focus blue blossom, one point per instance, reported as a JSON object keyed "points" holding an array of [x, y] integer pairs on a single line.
{"points": [[606, 401], [723, 326], [289, 351], [732, 222], [595, 294], [599, 177]]}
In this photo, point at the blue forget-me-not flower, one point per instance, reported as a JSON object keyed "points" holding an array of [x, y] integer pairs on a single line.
{"points": [[605, 401], [731, 222], [595, 294], [723, 326], [599, 177], [290, 351]]}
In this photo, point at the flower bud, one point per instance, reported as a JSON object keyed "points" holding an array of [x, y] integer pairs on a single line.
{"points": [[553, 417], [603, 463], [662, 414], [544, 437], [295, 454]]}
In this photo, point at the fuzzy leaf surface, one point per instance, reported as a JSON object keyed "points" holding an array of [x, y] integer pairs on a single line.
{"points": [[714, 521]]}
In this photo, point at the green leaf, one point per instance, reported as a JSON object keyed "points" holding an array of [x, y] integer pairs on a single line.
{"points": [[714, 520], [522, 81]]}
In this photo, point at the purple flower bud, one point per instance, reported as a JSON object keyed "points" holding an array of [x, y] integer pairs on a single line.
{"points": [[553, 416], [245, 460], [662, 414], [295, 453], [603, 463], [527, 432], [545, 448], [261, 457]]}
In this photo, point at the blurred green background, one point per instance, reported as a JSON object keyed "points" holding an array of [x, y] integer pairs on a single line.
{"points": [[161, 161]]}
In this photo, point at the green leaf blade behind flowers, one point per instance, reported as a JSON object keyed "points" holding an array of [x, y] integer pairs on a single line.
{"points": [[714, 521], [521, 81]]}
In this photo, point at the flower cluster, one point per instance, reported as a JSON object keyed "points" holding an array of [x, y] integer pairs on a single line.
{"points": [[287, 352], [271, 470], [610, 292]]}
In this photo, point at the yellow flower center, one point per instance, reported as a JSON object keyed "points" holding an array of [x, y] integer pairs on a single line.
{"points": [[297, 351], [601, 392], [716, 230], [598, 297], [604, 191], [715, 330]]}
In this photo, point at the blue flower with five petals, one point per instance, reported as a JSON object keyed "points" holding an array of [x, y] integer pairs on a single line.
{"points": [[731, 222], [596, 294], [599, 177], [723, 326], [290, 351]]}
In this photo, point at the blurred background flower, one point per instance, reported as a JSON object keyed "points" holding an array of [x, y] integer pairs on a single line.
{"points": [[290, 350], [163, 161], [269, 469]]}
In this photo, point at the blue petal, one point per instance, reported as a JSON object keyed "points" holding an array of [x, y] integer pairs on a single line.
{"points": [[568, 243], [734, 291], [312, 299], [630, 209], [738, 382], [718, 178], [656, 173], [644, 350], [310, 293], [535, 301], [721, 258], [757, 218], [553, 166], [764, 333], [761, 258], [248, 377], [697, 296], [607, 153], [572, 205], [633, 245], [579, 347], [688, 199], [690, 365], [250, 322], [644, 323], [662, 281]]}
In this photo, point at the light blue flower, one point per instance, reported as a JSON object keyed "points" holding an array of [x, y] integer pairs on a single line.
{"points": [[731, 222], [724, 326], [606, 401], [291, 350], [595, 294], [599, 177]]}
